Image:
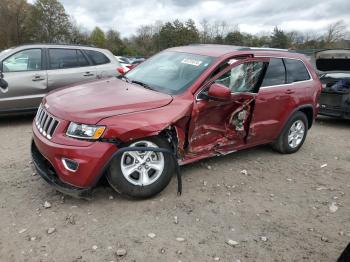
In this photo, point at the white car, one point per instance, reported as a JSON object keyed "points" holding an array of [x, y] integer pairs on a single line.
{"points": [[125, 63]]}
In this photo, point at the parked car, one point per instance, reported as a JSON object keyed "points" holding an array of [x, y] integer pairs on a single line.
{"points": [[31, 71], [135, 62], [195, 101], [125, 64], [333, 67]]}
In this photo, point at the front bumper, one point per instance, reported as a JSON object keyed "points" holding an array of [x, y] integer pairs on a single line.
{"points": [[47, 158], [46, 171]]}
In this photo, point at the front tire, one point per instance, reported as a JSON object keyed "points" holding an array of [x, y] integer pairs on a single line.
{"points": [[293, 134], [141, 174]]}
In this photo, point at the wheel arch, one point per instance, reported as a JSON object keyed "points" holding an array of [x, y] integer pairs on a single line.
{"points": [[307, 110]]}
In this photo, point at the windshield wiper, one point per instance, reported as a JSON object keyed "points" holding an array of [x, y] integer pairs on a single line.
{"points": [[142, 84], [124, 78]]}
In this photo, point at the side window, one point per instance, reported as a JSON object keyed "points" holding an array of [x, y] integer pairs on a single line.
{"points": [[296, 71], [242, 78], [82, 59], [26, 60], [66, 58], [97, 57], [275, 73]]}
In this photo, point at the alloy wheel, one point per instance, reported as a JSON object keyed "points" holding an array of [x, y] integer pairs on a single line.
{"points": [[296, 134], [142, 168]]}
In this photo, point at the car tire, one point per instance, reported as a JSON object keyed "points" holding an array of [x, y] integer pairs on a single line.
{"points": [[146, 180], [293, 134]]}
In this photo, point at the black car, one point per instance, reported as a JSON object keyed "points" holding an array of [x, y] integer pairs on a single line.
{"points": [[333, 67]]}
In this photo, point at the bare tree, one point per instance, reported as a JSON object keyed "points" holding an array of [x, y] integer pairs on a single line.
{"points": [[335, 32]]}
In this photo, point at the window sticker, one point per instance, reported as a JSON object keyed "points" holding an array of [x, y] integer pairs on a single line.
{"points": [[191, 62]]}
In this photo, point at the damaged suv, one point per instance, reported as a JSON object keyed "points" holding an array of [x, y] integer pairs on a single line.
{"points": [[333, 67], [195, 101]]}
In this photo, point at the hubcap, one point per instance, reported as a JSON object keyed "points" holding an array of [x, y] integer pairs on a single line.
{"points": [[142, 168], [296, 134]]}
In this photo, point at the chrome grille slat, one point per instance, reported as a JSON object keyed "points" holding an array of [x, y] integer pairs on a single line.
{"points": [[45, 123], [40, 115], [50, 129], [43, 119]]}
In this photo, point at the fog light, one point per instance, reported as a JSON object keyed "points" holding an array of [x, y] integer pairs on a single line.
{"points": [[70, 165]]}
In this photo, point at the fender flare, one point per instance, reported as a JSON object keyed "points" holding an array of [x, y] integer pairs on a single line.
{"points": [[297, 109]]}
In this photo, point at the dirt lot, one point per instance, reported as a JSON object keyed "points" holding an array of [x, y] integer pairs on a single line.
{"points": [[279, 211]]}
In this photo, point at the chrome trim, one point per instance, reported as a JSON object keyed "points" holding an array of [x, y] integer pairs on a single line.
{"points": [[66, 166], [22, 97], [45, 122]]}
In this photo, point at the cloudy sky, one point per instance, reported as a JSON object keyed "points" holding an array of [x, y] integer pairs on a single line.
{"points": [[251, 16]]}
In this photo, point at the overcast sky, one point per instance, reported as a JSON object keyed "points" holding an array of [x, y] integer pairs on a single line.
{"points": [[251, 16]]}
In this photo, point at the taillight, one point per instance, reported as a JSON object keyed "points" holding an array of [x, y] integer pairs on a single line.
{"points": [[121, 70], [129, 66]]}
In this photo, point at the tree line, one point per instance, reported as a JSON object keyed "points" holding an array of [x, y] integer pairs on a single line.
{"points": [[46, 21]]}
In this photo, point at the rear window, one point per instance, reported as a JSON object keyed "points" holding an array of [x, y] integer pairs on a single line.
{"points": [[97, 57], [333, 64], [275, 74], [66, 58], [296, 71]]}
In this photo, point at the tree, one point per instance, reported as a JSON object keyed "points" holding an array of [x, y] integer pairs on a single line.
{"points": [[177, 33], [14, 16], [279, 39], [77, 34], [335, 33], [234, 38], [49, 22], [113, 42], [97, 37]]}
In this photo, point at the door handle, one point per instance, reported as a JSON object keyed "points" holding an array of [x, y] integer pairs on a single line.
{"points": [[37, 78], [88, 74], [289, 91]]}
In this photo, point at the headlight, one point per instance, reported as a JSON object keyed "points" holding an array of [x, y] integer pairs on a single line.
{"points": [[85, 131]]}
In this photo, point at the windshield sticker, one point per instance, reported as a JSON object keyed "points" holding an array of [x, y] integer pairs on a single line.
{"points": [[191, 62]]}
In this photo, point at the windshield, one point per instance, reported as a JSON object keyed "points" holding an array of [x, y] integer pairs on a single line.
{"points": [[170, 72]]}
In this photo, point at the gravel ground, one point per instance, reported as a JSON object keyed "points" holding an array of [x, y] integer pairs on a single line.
{"points": [[284, 208]]}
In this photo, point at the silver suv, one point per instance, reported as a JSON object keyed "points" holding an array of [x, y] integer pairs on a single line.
{"points": [[31, 71]]}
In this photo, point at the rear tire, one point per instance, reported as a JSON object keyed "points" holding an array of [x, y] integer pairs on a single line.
{"points": [[150, 173], [293, 134]]}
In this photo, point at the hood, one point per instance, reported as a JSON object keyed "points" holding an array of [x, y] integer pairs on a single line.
{"points": [[91, 102], [332, 61]]}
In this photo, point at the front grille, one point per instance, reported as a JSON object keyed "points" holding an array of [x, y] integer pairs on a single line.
{"points": [[45, 123]]}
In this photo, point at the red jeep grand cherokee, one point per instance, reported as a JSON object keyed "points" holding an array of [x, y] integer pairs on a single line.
{"points": [[197, 101]]}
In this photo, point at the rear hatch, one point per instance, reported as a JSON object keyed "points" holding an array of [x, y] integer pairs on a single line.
{"points": [[333, 68], [332, 61]]}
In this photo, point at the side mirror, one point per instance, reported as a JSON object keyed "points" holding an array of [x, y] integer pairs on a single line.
{"points": [[3, 83], [219, 92]]}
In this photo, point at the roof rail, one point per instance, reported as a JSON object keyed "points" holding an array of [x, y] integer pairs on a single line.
{"points": [[264, 49], [62, 44]]}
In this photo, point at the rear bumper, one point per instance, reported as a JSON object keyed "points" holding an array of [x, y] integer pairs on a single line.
{"points": [[92, 160], [335, 105], [337, 112]]}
